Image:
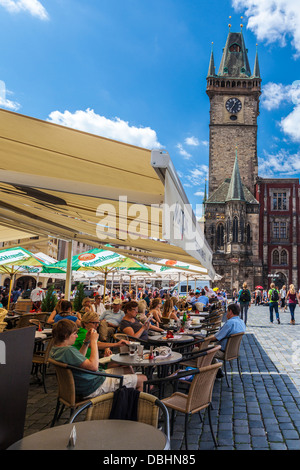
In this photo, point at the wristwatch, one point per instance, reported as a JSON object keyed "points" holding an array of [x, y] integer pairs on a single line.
{"points": [[86, 343]]}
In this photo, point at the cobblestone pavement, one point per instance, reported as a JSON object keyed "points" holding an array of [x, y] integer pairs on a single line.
{"points": [[261, 412]]}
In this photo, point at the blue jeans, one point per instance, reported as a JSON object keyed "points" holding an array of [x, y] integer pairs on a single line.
{"points": [[292, 310], [273, 306], [244, 310]]}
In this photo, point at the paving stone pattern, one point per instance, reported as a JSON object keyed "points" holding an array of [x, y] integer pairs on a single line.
{"points": [[261, 412]]}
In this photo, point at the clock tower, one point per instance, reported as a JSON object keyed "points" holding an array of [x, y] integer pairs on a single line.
{"points": [[231, 209], [234, 94]]}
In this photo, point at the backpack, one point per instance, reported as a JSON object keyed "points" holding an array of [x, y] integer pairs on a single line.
{"points": [[274, 296], [245, 296]]}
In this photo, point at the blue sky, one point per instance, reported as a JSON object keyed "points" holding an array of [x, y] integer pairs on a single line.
{"points": [[135, 71]]}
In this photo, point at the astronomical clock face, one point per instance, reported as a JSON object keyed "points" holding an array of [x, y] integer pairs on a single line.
{"points": [[233, 105]]}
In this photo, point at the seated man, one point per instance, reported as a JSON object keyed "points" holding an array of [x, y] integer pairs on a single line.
{"points": [[232, 326], [110, 320], [87, 385]]}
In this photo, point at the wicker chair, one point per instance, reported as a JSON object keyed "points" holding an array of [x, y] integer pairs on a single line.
{"points": [[149, 408], [198, 398], [24, 320], [232, 351], [197, 360], [40, 360], [66, 388]]}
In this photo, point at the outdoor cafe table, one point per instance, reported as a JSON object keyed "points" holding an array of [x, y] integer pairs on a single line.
{"points": [[97, 435], [160, 340], [148, 365]]}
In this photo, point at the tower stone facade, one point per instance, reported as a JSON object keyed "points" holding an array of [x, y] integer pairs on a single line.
{"points": [[231, 210]]}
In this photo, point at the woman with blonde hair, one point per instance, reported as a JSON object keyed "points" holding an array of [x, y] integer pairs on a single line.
{"points": [[155, 310], [292, 299], [142, 307], [168, 310]]}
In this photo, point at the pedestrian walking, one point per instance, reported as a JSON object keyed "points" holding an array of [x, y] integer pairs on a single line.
{"points": [[283, 299], [292, 299], [273, 297], [244, 299]]}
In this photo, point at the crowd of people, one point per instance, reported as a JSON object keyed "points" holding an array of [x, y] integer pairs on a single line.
{"points": [[80, 337]]}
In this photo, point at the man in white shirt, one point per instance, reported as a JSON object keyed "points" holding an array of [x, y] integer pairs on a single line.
{"points": [[110, 320], [98, 305], [36, 296]]}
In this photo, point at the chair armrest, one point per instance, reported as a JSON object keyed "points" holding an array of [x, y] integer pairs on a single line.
{"points": [[194, 355], [101, 374], [175, 377]]}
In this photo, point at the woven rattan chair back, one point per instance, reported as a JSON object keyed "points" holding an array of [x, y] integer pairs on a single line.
{"points": [[206, 360], [101, 406], [24, 320], [119, 336], [66, 384], [200, 391], [232, 350]]}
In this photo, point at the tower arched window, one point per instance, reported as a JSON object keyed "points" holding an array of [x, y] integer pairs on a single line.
{"points": [[242, 229], [275, 258], [283, 258], [212, 236], [220, 236], [228, 230], [248, 234], [235, 230]]}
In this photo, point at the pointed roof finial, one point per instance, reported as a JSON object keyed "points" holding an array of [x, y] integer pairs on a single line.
{"points": [[256, 70], [235, 190], [229, 23]]}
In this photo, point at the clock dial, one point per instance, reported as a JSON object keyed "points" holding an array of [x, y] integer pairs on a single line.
{"points": [[233, 105]]}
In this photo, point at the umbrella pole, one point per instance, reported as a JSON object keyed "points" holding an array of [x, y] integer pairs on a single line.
{"points": [[69, 271], [120, 287], [105, 278], [112, 286], [187, 285], [10, 289]]}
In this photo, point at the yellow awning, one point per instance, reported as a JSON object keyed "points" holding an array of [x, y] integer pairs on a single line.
{"points": [[56, 181]]}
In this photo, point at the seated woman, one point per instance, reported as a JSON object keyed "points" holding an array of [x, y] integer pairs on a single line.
{"points": [[88, 322], [142, 309], [87, 385], [56, 311], [87, 306], [131, 326], [155, 310], [169, 311], [66, 313]]}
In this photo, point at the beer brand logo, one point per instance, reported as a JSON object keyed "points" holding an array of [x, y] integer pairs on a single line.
{"points": [[86, 257]]}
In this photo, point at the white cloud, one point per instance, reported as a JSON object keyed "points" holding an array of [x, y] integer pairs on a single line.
{"points": [[199, 193], [274, 94], [281, 164], [4, 102], [193, 141], [116, 129], [273, 20], [197, 176], [183, 152], [34, 7]]}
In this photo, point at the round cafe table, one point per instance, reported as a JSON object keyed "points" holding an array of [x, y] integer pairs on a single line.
{"points": [[148, 365], [163, 340], [97, 435]]}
